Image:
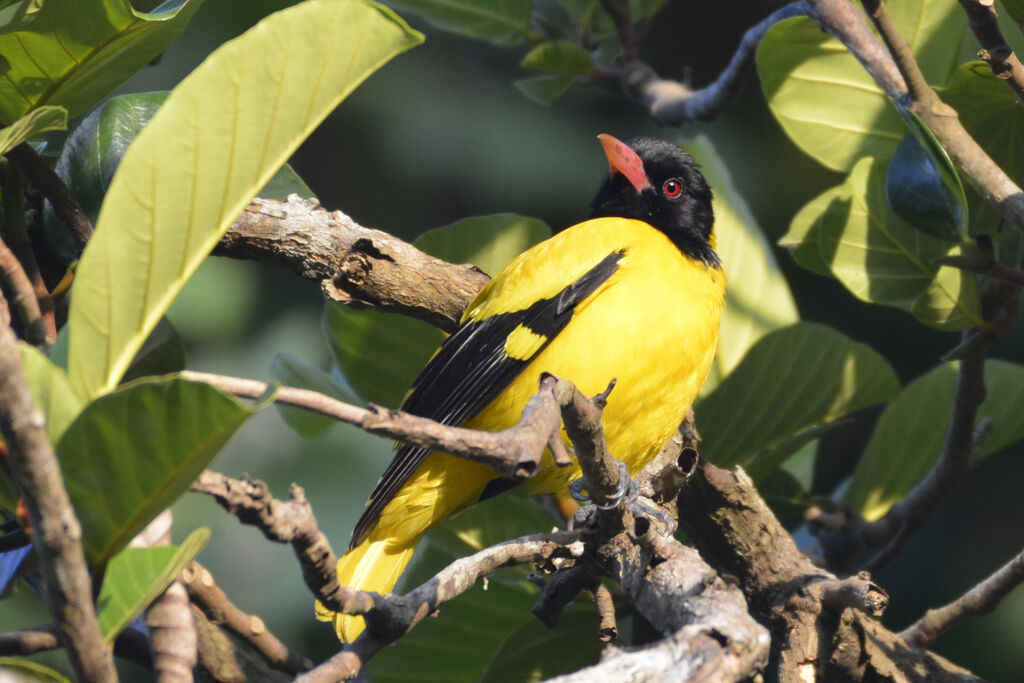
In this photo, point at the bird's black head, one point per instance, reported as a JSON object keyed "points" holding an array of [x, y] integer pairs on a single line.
{"points": [[657, 182]]}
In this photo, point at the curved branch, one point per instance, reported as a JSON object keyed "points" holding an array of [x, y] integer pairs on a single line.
{"points": [[995, 52]]}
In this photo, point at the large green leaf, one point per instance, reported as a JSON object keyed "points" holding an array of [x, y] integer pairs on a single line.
{"points": [[217, 140], [32, 124], [380, 354], [802, 237], [51, 391], [757, 297], [132, 452], [825, 101], [794, 379], [882, 259], [504, 22], [533, 652], [911, 432], [72, 53], [93, 151], [992, 115], [560, 57], [136, 577], [459, 643]]}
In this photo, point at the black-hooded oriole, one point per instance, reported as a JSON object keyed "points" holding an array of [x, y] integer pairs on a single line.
{"points": [[634, 294]]}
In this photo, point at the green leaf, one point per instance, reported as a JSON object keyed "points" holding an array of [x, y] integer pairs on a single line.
{"points": [[93, 151], [1015, 8], [922, 185], [32, 124], [993, 117], [785, 496], [132, 452], [161, 354], [503, 22], [136, 577], [910, 434], [825, 101], [380, 354], [561, 57], [295, 372], [25, 670], [757, 297], [792, 380], [51, 391], [458, 644], [533, 652], [802, 238], [882, 259], [72, 53], [194, 167], [545, 89]]}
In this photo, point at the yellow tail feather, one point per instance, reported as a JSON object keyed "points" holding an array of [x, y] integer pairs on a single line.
{"points": [[374, 565]]}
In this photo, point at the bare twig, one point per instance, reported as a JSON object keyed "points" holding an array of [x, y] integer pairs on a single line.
{"points": [[53, 188], [284, 522], [673, 103], [981, 17], [608, 629], [224, 661], [513, 452], [981, 599], [16, 235], [28, 641], [354, 265], [219, 609]]}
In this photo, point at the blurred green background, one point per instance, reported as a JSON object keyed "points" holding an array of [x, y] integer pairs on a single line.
{"points": [[440, 134]]}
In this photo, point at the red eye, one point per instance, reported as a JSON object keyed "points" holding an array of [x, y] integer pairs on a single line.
{"points": [[672, 188]]}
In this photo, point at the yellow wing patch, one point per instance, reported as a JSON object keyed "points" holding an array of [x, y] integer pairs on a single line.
{"points": [[522, 343]]}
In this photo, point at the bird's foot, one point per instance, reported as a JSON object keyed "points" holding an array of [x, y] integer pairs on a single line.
{"points": [[625, 491]]}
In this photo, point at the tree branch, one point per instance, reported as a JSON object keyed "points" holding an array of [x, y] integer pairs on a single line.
{"points": [[172, 635], [25, 301], [981, 599], [513, 452], [981, 17], [673, 103], [218, 608], [56, 530], [354, 265]]}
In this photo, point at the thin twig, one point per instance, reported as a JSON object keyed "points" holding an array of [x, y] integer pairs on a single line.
{"points": [[56, 530], [981, 17], [608, 629], [28, 641], [673, 103], [513, 452], [981, 599], [16, 235], [218, 608], [25, 302], [53, 188]]}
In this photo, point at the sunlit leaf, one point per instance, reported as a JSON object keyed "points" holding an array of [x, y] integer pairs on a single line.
{"points": [[792, 380], [32, 124], [802, 237], [757, 298], [910, 434], [51, 391], [135, 577], [219, 137], [132, 452], [504, 22], [71, 53], [825, 100], [882, 259]]}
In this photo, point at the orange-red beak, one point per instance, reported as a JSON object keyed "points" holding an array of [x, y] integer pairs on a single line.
{"points": [[622, 159]]}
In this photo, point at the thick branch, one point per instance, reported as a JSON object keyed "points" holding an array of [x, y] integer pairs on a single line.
{"points": [[172, 635], [354, 265], [513, 452], [56, 531], [995, 52], [981, 599]]}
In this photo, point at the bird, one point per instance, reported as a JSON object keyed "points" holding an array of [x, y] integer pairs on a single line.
{"points": [[633, 294]]}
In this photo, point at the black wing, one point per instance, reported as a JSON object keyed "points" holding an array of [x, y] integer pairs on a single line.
{"points": [[469, 370]]}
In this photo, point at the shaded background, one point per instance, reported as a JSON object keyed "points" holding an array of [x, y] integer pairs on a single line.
{"points": [[440, 134]]}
